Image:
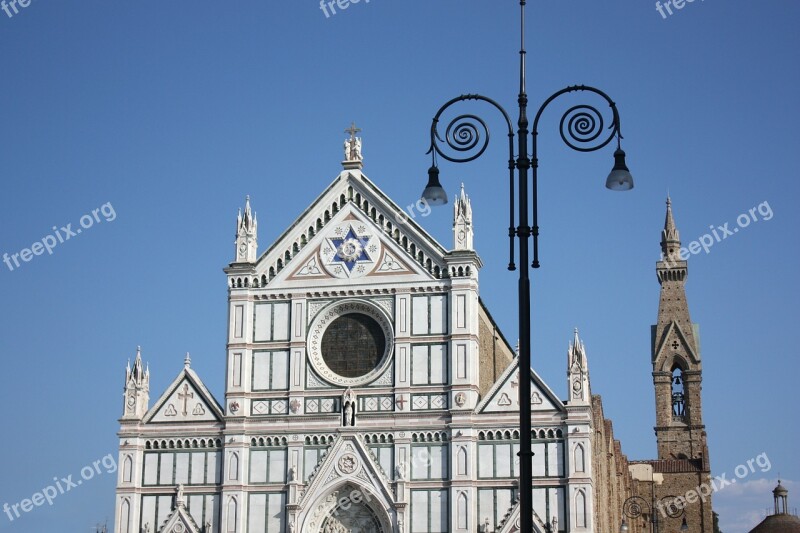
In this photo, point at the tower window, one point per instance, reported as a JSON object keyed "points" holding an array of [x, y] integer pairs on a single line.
{"points": [[678, 394]]}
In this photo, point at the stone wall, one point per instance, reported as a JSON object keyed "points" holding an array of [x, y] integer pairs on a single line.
{"points": [[495, 354]]}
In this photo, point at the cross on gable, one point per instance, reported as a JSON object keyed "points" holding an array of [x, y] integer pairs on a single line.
{"points": [[185, 395], [352, 130], [675, 345]]}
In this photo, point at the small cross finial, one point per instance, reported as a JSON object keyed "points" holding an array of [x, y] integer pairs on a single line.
{"points": [[352, 130], [187, 361]]}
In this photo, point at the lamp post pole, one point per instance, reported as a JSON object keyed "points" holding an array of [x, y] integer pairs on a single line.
{"points": [[582, 129]]}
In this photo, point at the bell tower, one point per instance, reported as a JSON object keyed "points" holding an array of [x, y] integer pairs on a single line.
{"points": [[677, 368]]}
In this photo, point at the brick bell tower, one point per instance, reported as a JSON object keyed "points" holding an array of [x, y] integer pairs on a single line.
{"points": [[683, 462], [677, 368]]}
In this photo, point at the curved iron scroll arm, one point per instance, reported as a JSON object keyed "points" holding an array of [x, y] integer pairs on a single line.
{"points": [[469, 133], [581, 128]]}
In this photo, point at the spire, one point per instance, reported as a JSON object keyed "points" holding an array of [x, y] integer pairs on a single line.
{"points": [[246, 234], [187, 361], [462, 222], [246, 223], [576, 349], [670, 236], [577, 371], [137, 388], [137, 372]]}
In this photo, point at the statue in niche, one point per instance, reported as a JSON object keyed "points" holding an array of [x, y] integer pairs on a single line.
{"points": [[349, 408]]}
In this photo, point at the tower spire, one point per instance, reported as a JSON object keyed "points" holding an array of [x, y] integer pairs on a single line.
{"points": [[578, 371], [462, 222], [670, 236], [246, 234], [136, 395]]}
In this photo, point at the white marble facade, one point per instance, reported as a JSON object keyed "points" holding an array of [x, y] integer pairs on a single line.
{"points": [[354, 399]]}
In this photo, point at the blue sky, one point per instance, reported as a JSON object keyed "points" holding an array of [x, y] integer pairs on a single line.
{"points": [[171, 112]]}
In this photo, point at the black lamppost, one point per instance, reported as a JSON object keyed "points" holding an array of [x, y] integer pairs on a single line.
{"points": [[636, 506], [582, 128]]}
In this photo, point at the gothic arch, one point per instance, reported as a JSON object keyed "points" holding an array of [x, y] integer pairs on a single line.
{"points": [[580, 509], [462, 511], [127, 469], [125, 516], [461, 461], [231, 511], [580, 458], [233, 466], [676, 361], [347, 498]]}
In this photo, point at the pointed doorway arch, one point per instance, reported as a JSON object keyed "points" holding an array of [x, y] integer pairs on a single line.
{"points": [[356, 518], [350, 508]]}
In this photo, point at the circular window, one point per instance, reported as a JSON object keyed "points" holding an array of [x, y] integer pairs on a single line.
{"points": [[353, 345], [350, 342]]}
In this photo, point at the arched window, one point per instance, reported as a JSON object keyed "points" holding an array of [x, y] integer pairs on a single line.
{"points": [[127, 470], [580, 509], [124, 517], [233, 466], [462, 461], [232, 515], [580, 461], [678, 393], [462, 511]]}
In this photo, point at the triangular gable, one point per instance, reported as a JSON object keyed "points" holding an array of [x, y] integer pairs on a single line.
{"points": [[510, 522], [348, 461], [180, 517], [186, 400], [292, 251], [503, 397], [371, 253], [663, 345]]}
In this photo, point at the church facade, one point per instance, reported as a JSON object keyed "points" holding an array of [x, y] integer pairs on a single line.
{"points": [[368, 389]]}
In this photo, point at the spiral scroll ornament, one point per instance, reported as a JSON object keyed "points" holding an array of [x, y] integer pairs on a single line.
{"points": [[635, 507], [671, 507], [468, 136], [582, 126]]}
